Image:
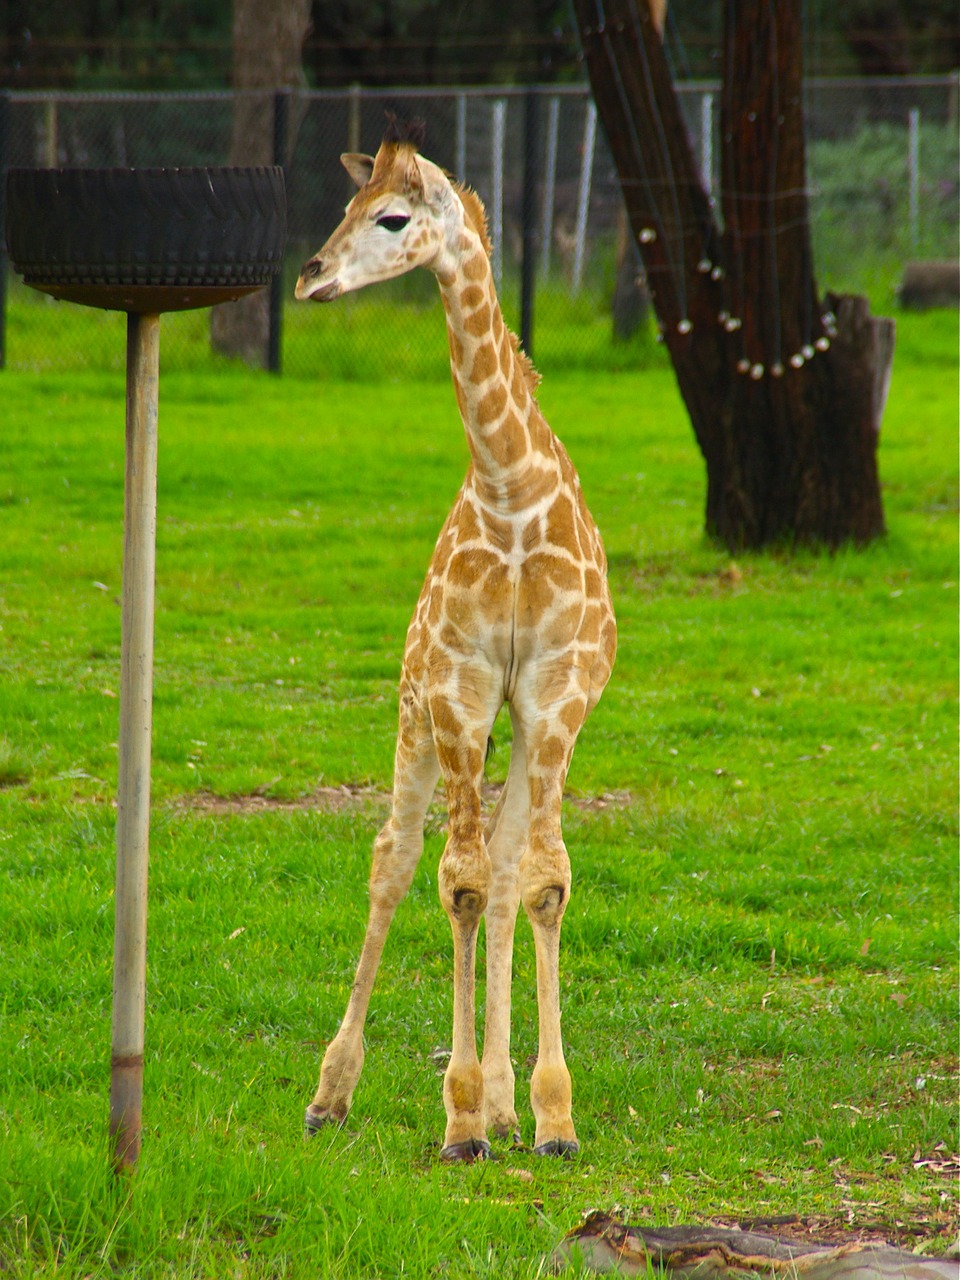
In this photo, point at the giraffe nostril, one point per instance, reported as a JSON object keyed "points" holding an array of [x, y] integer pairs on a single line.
{"points": [[313, 269]]}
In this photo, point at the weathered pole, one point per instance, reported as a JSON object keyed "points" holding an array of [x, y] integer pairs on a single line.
{"points": [[83, 235], [136, 700]]}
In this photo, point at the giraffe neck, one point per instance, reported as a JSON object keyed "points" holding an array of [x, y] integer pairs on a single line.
{"points": [[513, 450]]}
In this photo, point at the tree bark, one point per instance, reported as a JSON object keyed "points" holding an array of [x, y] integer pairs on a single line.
{"points": [[267, 44], [785, 392], [630, 300]]}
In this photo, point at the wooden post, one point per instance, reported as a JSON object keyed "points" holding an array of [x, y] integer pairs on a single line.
{"points": [[136, 693]]}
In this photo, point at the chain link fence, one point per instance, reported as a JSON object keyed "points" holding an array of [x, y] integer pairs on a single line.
{"points": [[882, 172]]}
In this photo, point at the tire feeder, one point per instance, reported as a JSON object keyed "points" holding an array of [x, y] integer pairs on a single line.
{"points": [[143, 241]]}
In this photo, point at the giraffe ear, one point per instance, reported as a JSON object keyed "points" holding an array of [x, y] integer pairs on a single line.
{"points": [[359, 167]]}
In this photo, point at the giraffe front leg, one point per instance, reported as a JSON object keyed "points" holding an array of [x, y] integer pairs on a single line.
{"points": [[461, 727], [464, 879], [506, 838], [464, 894], [499, 1107]]}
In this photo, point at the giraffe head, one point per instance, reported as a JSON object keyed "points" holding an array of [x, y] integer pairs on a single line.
{"points": [[405, 215]]}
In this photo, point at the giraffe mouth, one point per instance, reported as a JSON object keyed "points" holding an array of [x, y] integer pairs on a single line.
{"points": [[317, 292], [327, 292]]}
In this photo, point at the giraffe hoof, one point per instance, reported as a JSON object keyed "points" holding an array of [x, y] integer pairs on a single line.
{"points": [[558, 1147], [466, 1152], [316, 1119]]}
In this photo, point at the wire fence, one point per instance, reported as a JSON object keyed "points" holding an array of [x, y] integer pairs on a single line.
{"points": [[882, 177]]}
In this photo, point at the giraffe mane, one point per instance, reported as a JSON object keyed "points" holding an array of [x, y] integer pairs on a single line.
{"points": [[476, 213], [476, 216], [530, 374]]}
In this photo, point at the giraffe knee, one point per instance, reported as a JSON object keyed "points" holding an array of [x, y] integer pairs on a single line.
{"points": [[545, 904], [545, 884], [464, 883], [468, 905]]}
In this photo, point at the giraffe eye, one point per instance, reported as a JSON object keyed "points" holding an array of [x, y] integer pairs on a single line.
{"points": [[393, 221]]}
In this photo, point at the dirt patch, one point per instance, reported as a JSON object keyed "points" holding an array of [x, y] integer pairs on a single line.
{"points": [[325, 799], [354, 796]]}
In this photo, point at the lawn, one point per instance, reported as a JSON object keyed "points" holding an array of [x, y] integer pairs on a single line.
{"points": [[759, 961]]}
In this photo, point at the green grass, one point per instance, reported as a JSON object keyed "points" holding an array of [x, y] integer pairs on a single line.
{"points": [[759, 961], [392, 333]]}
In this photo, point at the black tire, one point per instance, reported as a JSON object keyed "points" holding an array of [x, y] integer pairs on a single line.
{"points": [[195, 227]]}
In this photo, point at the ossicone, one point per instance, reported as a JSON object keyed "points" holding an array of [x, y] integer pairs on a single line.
{"points": [[410, 131]]}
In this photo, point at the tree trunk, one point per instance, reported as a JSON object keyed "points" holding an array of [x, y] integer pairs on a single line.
{"points": [[630, 301], [267, 43], [785, 393]]}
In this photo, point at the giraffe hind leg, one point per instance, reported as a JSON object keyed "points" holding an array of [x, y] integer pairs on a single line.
{"points": [[396, 852], [545, 899], [545, 892]]}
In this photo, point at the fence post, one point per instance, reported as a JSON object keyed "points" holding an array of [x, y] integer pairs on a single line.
{"points": [[583, 196], [51, 143], [353, 118], [4, 165], [550, 184], [460, 163], [528, 268], [913, 172], [281, 133], [706, 142], [496, 161]]}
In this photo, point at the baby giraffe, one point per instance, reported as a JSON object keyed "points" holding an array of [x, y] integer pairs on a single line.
{"points": [[515, 608]]}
